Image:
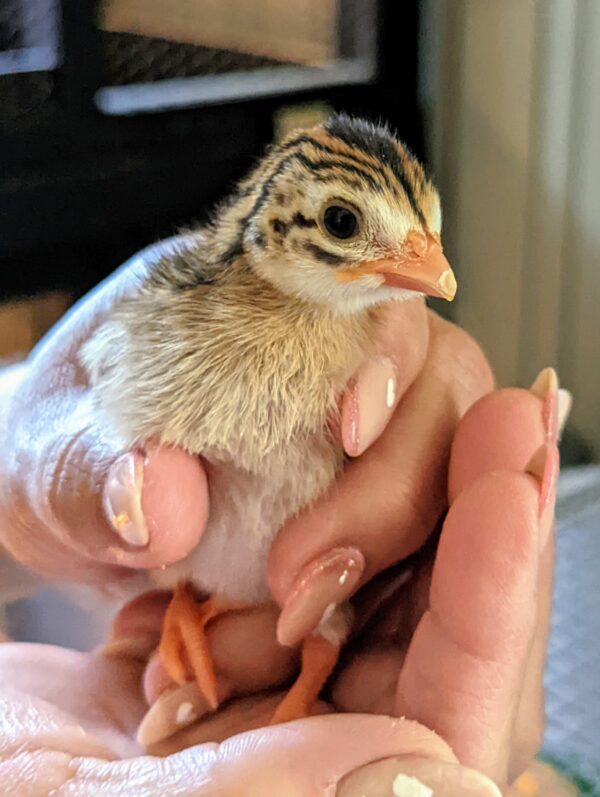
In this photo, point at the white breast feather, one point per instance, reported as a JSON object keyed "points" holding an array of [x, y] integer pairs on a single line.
{"points": [[246, 511]]}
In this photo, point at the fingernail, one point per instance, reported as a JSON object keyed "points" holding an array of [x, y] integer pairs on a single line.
{"points": [[122, 499], [371, 401], [175, 709], [322, 585], [545, 387], [565, 402], [416, 777], [544, 466]]}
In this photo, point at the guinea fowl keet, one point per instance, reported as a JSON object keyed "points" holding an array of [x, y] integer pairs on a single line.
{"points": [[239, 344]]}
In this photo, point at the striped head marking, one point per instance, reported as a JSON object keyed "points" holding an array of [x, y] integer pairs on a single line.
{"points": [[344, 214]]}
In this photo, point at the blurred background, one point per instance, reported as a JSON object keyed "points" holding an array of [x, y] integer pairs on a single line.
{"points": [[122, 119]]}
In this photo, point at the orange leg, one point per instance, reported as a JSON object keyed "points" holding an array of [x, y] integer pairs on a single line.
{"points": [[319, 658], [183, 647]]}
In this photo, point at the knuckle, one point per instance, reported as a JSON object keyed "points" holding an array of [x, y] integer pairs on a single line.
{"points": [[20, 528]]}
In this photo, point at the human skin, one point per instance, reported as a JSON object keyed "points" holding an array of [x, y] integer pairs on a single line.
{"points": [[459, 648]]}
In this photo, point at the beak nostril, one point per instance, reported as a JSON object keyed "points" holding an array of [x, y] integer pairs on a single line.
{"points": [[417, 243]]}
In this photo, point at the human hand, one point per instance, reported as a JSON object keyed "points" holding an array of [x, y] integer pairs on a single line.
{"points": [[74, 505], [455, 638], [67, 721], [63, 470], [437, 363], [472, 666]]}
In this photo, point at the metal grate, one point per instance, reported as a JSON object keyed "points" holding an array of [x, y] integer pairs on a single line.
{"points": [[28, 51], [28, 35], [139, 59], [10, 25], [155, 61]]}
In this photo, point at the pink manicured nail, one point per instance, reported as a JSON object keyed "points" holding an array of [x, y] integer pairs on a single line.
{"points": [[416, 777], [175, 709], [122, 499], [369, 402], [544, 466], [545, 387], [565, 403], [323, 583]]}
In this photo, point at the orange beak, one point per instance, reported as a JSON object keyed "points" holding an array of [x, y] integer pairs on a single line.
{"points": [[421, 267]]}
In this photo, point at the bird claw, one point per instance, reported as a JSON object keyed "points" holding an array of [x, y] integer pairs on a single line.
{"points": [[183, 649]]}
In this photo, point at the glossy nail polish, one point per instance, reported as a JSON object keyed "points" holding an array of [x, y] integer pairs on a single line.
{"points": [[565, 403], [176, 708], [321, 586], [370, 401], [122, 499], [545, 387], [416, 777], [544, 466]]}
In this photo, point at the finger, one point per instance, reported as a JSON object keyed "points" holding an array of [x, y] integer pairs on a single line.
{"points": [[96, 691], [368, 679], [369, 682], [530, 721], [375, 390], [237, 715], [517, 421], [244, 652], [243, 644], [56, 442], [471, 647], [504, 429], [75, 505], [136, 629], [344, 755], [53, 736], [303, 760], [388, 501], [247, 660]]}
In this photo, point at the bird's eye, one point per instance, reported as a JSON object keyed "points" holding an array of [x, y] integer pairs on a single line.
{"points": [[340, 221]]}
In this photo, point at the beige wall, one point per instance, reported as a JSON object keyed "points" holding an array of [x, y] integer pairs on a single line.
{"points": [[512, 93]]}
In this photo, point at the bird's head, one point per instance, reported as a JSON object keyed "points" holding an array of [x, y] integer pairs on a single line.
{"points": [[344, 215]]}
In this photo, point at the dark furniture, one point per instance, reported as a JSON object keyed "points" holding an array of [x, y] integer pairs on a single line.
{"points": [[106, 142]]}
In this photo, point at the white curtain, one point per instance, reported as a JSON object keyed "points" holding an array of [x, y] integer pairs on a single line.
{"points": [[511, 91]]}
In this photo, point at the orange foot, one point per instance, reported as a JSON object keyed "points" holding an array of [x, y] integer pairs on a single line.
{"points": [[183, 647], [319, 658], [185, 654]]}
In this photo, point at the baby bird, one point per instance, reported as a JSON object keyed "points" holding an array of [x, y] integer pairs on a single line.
{"points": [[239, 344]]}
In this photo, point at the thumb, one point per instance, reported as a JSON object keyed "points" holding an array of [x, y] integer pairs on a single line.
{"points": [[73, 503], [342, 755]]}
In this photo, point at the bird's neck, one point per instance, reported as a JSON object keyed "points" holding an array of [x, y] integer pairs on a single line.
{"points": [[295, 318]]}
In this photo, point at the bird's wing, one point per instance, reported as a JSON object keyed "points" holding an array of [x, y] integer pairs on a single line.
{"points": [[183, 262], [146, 362]]}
